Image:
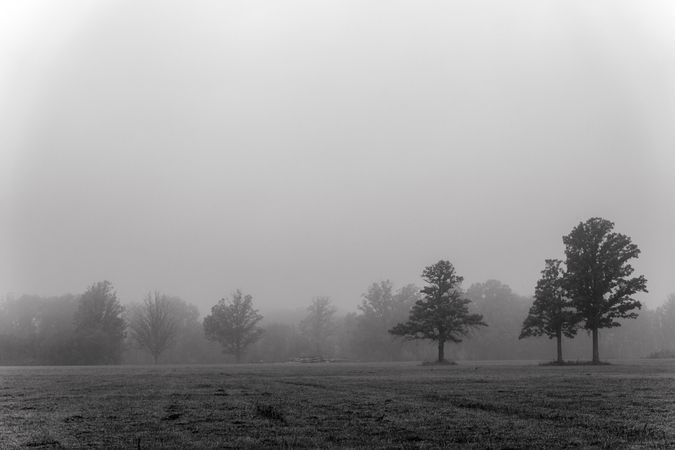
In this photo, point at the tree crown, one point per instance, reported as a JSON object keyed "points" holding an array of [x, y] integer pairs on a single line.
{"points": [[442, 314], [551, 313], [233, 323], [598, 277]]}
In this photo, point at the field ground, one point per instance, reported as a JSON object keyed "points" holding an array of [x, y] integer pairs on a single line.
{"points": [[470, 405]]}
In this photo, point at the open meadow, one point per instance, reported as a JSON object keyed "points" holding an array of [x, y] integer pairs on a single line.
{"points": [[397, 405]]}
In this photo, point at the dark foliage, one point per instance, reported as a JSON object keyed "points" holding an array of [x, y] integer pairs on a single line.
{"points": [[442, 315], [551, 313], [598, 277]]}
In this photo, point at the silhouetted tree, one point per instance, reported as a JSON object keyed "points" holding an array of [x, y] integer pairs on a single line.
{"points": [[442, 315], [99, 326], [551, 313], [234, 324], [598, 276], [317, 326], [153, 325]]}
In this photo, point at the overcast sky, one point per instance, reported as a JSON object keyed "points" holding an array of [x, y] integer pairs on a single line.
{"points": [[301, 148]]}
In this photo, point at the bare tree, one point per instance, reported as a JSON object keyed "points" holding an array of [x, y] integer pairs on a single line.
{"points": [[153, 325]]}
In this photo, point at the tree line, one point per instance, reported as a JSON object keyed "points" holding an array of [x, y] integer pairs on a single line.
{"points": [[592, 289]]}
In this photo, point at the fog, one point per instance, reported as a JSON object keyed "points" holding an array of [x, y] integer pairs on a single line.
{"points": [[297, 149]]}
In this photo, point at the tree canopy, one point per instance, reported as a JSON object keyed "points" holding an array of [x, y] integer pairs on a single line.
{"points": [[551, 313], [233, 324], [442, 315], [598, 277]]}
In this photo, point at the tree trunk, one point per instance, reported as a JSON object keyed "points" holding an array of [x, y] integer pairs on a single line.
{"points": [[596, 353], [559, 339], [441, 350]]}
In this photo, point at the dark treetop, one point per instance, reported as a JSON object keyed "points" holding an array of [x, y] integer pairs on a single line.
{"points": [[598, 275], [551, 313], [442, 314], [598, 278]]}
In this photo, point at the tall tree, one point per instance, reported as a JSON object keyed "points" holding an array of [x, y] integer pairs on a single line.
{"points": [[598, 277], [442, 315], [317, 326], [234, 324], [99, 325], [153, 324], [551, 313]]}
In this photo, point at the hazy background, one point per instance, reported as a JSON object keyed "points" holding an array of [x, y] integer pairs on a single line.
{"points": [[302, 148]]}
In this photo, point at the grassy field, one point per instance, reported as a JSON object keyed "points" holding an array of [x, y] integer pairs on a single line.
{"points": [[470, 405]]}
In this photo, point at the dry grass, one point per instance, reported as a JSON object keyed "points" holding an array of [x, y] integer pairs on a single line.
{"points": [[340, 405]]}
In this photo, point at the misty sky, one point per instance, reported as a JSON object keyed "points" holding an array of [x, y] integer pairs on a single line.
{"points": [[301, 148]]}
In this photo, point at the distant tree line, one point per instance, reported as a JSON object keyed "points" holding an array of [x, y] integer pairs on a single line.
{"points": [[592, 289], [88, 329], [41, 330]]}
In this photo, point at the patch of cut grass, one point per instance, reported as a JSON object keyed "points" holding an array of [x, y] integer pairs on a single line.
{"points": [[340, 406]]}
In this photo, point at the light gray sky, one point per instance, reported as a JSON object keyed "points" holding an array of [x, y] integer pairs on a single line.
{"points": [[302, 148]]}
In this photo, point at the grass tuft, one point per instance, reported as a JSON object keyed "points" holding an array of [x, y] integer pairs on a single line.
{"points": [[269, 411]]}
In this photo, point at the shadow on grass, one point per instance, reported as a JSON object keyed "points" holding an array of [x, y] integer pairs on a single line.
{"points": [[445, 362], [574, 363]]}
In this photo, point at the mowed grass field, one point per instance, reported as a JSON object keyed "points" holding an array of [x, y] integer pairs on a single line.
{"points": [[398, 405]]}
